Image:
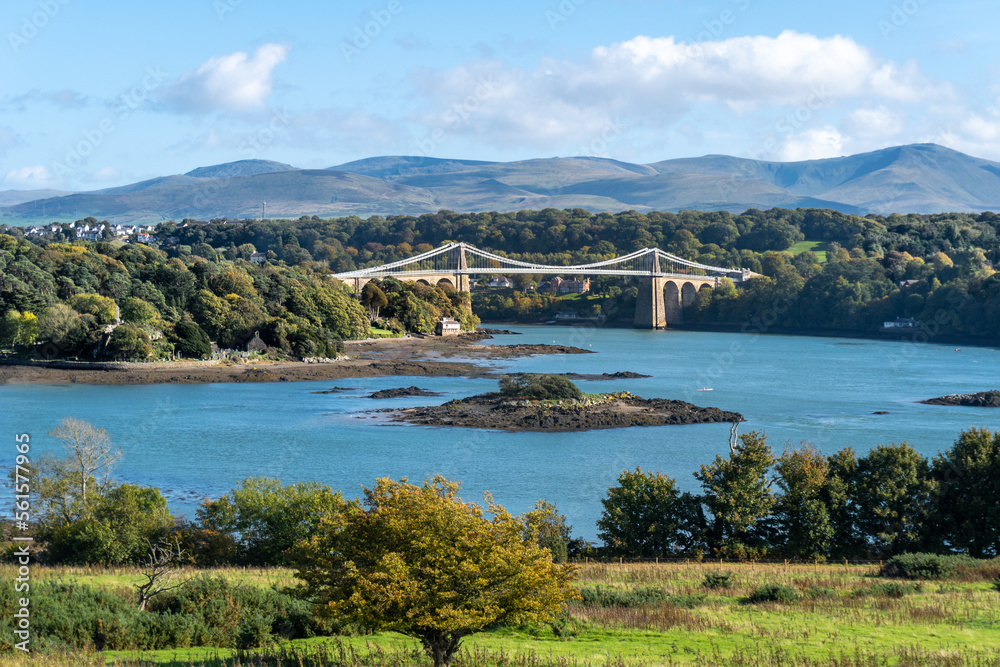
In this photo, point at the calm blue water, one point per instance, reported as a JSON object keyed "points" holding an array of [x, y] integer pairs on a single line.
{"points": [[198, 440]]}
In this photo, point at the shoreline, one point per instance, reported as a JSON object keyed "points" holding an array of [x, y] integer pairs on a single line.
{"points": [[430, 356], [410, 356], [910, 337]]}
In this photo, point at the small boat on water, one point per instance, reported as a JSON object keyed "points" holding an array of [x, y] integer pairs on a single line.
{"points": [[706, 389]]}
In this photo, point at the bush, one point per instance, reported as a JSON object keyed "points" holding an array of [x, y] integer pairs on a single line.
{"points": [[996, 584], [599, 596], [206, 611], [820, 592], [541, 387], [773, 593], [129, 342], [927, 566], [718, 580], [253, 631], [191, 341], [888, 589]]}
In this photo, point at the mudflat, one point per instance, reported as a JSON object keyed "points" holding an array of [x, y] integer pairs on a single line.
{"points": [[452, 356]]}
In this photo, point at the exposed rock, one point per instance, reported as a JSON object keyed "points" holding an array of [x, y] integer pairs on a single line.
{"points": [[335, 390], [525, 350], [620, 375], [498, 332], [400, 392], [610, 411], [984, 399]]}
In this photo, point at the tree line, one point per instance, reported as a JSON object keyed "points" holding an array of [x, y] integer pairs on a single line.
{"points": [[753, 504], [805, 505], [937, 269]]}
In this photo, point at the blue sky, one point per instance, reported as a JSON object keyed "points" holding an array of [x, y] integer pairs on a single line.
{"points": [[97, 94]]}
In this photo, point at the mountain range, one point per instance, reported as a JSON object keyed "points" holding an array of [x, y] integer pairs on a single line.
{"points": [[917, 178]]}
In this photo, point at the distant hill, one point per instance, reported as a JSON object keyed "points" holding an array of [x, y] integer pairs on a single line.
{"points": [[241, 168], [921, 178], [12, 197]]}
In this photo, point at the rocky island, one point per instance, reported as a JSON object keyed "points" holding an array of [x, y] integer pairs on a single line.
{"points": [[401, 392], [553, 403], [984, 399]]}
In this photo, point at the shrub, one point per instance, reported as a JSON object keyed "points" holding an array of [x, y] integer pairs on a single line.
{"points": [[996, 584], [206, 611], [718, 580], [820, 592], [191, 340], [599, 596], [541, 387], [689, 601], [253, 631], [927, 566], [888, 589], [129, 342], [772, 593]]}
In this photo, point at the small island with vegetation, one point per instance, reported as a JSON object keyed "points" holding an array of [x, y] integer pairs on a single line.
{"points": [[529, 402]]}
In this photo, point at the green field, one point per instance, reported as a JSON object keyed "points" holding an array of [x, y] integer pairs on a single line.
{"points": [[816, 247], [842, 617], [384, 333]]}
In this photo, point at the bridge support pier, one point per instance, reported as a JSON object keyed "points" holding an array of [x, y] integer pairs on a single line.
{"points": [[650, 308]]}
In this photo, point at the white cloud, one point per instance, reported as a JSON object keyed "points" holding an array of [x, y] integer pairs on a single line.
{"points": [[35, 176], [235, 82], [105, 175], [650, 84], [874, 123], [62, 99], [812, 144]]}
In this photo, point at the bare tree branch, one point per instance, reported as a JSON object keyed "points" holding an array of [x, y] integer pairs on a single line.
{"points": [[91, 454], [162, 567]]}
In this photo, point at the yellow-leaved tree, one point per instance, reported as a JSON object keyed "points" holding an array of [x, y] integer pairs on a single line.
{"points": [[420, 561]]}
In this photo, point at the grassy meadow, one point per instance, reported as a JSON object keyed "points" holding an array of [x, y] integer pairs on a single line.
{"points": [[656, 614], [816, 247]]}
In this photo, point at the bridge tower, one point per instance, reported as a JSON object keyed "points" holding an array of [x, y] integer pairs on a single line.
{"points": [[460, 266], [650, 308]]}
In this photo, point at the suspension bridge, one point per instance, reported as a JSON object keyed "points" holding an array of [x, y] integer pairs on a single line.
{"points": [[667, 282]]}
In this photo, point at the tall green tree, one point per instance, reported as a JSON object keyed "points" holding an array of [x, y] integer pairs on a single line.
{"points": [[117, 530], [373, 299], [645, 516], [967, 499], [10, 325], [546, 526], [738, 494], [266, 518], [847, 542], [129, 343], [802, 516], [892, 488], [420, 561]]}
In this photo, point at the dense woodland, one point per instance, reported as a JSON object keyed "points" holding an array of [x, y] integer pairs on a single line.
{"points": [[937, 269], [112, 300]]}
